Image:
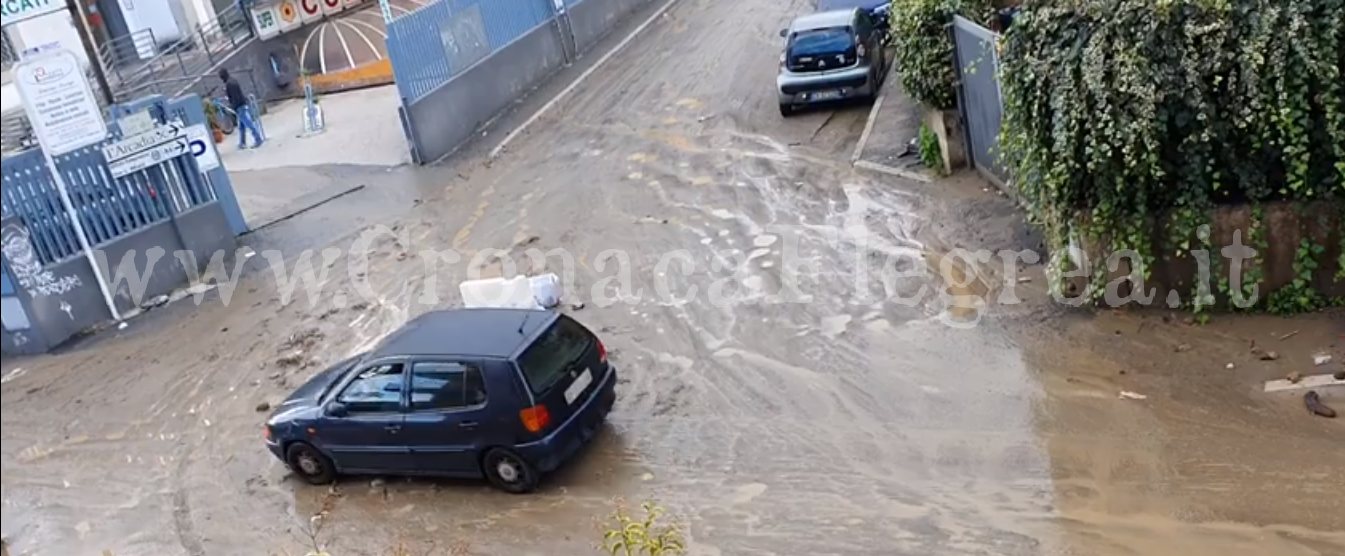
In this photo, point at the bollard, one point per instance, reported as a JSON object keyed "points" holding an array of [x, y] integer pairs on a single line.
{"points": [[313, 120]]}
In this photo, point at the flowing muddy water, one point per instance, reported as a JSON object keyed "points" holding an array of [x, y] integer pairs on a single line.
{"points": [[811, 414]]}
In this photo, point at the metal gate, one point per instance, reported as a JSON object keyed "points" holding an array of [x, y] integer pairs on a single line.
{"points": [[979, 97]]}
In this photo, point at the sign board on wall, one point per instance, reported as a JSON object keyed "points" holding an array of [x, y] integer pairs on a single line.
{"points": [[59, 103], [149, 158], [310, 11], [289, 15], [332, 7], [202, 147], [154, 147], [267, 21], [137, 123], [352, 3], [14, 11]]}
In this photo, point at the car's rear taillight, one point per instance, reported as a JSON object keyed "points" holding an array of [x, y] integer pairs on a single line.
{"points": [[266, 432], [602, 352], [535, 418]]}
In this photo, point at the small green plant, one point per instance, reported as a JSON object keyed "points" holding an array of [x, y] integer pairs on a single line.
{"points": [[211, 114], [1299, 296], [644, 536], [930, 153]]}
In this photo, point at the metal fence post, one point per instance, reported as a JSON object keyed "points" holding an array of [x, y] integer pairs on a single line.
{"points": [[961, 96]]}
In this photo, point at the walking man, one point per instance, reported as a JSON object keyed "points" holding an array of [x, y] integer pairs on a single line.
{"points": [[233, 92]]}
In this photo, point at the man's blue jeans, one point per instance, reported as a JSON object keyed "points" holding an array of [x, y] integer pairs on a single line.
{"points": [[247, 122]]}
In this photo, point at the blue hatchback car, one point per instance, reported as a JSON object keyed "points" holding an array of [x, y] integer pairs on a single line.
{"points": [[504, 394]]}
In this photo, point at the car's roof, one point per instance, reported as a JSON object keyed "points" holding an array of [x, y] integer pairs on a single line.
{"points": [[823, 20], [479, 332], [867, 5]]}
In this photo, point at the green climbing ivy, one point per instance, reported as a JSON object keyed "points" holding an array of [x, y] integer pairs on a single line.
{"points": [[1119, 114], [1298, 296], [924, 49]]}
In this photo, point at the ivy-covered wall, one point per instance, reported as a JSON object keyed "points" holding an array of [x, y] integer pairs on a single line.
{"points": [[1130, 122], [924, 49]]}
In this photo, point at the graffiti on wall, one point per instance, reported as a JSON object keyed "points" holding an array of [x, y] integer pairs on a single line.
{"points": [[18, 250]]}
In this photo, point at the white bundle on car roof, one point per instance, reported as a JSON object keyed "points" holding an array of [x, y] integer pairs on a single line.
{"points": [[519, 292]]}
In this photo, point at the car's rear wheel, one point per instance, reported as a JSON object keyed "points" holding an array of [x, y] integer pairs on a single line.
{"points": [[508, 472], [786, 110], [310, 464]]}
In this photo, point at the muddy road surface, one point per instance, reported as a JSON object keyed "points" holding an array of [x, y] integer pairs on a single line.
{"points": [[774, 397]]}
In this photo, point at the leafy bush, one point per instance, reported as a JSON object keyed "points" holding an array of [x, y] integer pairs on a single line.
{"points": [[930, 153], [1122, 113], [924, 50]]}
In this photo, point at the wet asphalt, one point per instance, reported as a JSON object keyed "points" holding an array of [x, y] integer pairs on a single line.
{"points": [[832, 422]]}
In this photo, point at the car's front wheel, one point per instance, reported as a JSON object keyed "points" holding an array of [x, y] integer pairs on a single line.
{"points": [[310, 464], [786, 110], [508, 472]]}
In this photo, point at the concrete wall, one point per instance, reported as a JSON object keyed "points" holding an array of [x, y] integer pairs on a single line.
{"points": [[1285, 225], [58, 27], [55, 316], [591, 20], [444, 119]]}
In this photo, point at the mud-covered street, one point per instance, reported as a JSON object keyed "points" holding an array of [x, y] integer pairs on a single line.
{"points": [[840, 423]]}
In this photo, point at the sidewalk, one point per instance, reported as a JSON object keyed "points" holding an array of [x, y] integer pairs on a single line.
{"points": [[292, 172], [894, 121], [362, 128]]}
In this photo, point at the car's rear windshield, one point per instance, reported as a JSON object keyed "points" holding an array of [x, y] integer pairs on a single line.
{"points": [[554, 352], [821, 41]]}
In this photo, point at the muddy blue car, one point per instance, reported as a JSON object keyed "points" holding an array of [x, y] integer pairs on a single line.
{"points": [[830, 56], [502, 394]]}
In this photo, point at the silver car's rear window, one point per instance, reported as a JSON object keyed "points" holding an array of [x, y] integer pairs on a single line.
{"points": [[814, 42]]}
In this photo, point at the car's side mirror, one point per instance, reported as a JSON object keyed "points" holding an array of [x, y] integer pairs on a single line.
{"points": [[337, 409], [784, 33]]}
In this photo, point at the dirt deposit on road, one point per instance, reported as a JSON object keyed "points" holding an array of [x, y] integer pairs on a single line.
{"points": [[845, 424]]}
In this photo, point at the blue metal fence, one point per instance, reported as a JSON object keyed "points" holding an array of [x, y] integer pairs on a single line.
{"points": [[108, 208], [429, 46]]}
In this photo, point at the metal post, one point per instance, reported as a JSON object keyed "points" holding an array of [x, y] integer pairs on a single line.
{"points": [[83, 238], [200, 32], [959, 85], [95, 61]]}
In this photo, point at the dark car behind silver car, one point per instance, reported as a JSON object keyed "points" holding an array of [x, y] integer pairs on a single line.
{"points": [[830, 56]]}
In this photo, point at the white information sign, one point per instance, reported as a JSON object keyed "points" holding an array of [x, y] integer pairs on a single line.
{"points": [[148, 158], [65, 117], [137, 123], [131, 145], [59, 102], [203, 147]]}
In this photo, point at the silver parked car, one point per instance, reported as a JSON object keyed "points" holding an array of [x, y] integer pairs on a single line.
{"points": [[829, 56]]}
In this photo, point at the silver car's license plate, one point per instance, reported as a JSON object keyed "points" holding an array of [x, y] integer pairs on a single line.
{"points": [[824, 95]]}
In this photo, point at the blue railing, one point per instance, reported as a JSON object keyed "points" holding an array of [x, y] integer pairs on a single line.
{"points": [[108, 208], [429, 46]]}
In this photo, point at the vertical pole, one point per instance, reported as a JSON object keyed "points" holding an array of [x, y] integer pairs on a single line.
{"points": [[95, 61], [80, 234], [959, 84]]}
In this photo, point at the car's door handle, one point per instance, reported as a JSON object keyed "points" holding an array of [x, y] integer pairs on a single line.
{"points": [[468, 424], [394, 429]]}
